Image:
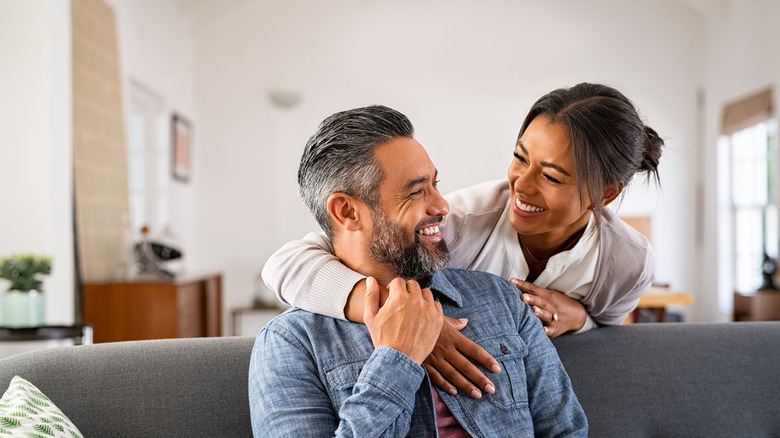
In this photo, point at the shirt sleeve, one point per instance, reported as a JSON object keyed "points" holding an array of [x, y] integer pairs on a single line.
{"points": [[305, 274], [554, 406], [287, 396]]}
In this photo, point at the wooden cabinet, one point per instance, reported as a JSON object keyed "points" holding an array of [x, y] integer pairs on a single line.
{"points": [[154, 309]]}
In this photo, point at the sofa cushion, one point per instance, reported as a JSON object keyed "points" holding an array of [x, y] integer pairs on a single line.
{"points": [[181, 387], [26, 411]]}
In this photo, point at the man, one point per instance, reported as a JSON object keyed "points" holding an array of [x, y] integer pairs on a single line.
{"points": [[372, 188]]}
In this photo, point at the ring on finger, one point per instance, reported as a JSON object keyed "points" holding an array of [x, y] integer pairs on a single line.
{"points": [[555, 317]]}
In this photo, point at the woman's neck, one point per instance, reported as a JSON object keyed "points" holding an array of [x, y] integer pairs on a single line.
{"points": [[538, 249]]}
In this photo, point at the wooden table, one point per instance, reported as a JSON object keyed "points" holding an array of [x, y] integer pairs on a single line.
{"points": [[656, 299]]}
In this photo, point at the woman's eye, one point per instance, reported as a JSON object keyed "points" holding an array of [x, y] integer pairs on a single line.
{"points": [[551, 179], [519, 157], [416, 193]]}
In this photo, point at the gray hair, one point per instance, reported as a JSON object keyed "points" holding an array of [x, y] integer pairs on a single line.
{"points": [[339, 157]]}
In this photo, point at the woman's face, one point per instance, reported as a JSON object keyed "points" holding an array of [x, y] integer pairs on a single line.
{"points": [[545, 195]]}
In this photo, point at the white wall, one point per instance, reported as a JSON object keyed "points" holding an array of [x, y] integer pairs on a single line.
{"points": [[156, 51], [36, 142], [465, 73], [742, 57]]}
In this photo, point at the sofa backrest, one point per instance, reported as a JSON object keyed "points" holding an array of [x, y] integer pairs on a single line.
{"points": [[162, 388], [642, 380], [677, 380]]}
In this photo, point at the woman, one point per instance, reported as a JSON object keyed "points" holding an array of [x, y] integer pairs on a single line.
{"points": [[547, 230]]}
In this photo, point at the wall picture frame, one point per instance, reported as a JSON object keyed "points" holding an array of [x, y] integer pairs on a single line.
{"points": [[181, 145]]}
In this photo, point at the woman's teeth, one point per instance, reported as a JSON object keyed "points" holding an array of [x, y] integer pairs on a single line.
{"points": [[428, 230], [527, 208]]}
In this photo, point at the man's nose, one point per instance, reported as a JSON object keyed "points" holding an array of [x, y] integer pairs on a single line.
{"points": [[438, 206]]}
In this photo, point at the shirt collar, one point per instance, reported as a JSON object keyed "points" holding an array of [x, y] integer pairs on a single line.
{"points": [[440, 284]]}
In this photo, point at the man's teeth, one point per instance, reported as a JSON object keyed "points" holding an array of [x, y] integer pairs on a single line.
{"points": [[527, 208], [428, 230]]}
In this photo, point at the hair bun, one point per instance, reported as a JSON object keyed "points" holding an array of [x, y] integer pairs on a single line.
{"points": [[652, 155]]}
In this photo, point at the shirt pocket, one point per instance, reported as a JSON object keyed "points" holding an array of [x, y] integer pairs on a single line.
{"points": [[511, 388], [341, 379]]}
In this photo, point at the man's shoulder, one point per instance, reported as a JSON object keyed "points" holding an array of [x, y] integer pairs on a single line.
{"points": [[296, 320], [477, 282], [469, 274]]}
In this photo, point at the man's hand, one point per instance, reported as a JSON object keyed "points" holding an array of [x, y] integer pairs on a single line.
{"points": [[448, 364], [559, 314], [409, 321]]}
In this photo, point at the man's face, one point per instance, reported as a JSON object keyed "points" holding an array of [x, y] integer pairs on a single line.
{"points": [[406, 235]]}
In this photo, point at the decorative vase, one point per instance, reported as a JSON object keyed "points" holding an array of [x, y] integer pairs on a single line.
{"points": [[23, 309]]}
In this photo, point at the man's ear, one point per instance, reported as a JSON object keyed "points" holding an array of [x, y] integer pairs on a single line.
{"points": [[611, 193], [345, 211]]}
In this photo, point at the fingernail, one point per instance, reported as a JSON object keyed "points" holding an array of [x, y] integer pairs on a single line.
{"points": [[537, 311], [490, 389], [495, 368], [514, 281], [464, 320], [476, 393], [452, 391], [525, 298]]}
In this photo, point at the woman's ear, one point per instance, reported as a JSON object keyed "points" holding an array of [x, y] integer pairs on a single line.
{"points": [[611, 193], [345, 211]]}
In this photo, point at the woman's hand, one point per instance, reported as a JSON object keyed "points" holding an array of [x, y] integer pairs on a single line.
{"points": [[449, 367], [559, 314]]}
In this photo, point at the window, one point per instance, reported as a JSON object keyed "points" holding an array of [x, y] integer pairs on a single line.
{"points": [[754, 175], [146, 161]]}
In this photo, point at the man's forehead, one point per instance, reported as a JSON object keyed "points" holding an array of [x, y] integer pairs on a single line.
{"points": [[405, 162]]}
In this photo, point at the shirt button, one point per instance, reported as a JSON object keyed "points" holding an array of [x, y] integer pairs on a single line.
{"points": [[504, 349]]}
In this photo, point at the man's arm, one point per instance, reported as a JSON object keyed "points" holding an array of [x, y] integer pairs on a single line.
{"points": [[287, 394]]}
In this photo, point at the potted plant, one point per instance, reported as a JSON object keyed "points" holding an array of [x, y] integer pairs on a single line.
{"points": [[23, 303]]}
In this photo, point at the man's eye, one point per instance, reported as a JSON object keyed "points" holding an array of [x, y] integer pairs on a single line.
{"points": [[416, 193]]}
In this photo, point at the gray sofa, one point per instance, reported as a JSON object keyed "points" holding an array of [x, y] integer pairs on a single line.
{"points": [[643, 380]]}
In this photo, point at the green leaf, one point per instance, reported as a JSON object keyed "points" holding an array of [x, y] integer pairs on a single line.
{"points": [[10, 422], [44, 428]]}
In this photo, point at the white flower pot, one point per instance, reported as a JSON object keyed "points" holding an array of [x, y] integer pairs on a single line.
{"points": [[23, 309]]}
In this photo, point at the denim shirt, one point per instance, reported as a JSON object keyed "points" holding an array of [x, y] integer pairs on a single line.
{"points": [[315, 376]]}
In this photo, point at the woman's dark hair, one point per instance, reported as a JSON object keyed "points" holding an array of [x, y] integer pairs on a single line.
{"points": [[609, 141]]}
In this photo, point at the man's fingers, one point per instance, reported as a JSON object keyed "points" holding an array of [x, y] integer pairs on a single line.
{"points": [[371, 306], [427, 295]]}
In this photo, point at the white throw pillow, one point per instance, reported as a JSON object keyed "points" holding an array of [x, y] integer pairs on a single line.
{"points": [[26, 411]]}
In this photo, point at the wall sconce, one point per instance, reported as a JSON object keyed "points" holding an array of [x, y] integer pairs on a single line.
{"points": [[284, 99]]}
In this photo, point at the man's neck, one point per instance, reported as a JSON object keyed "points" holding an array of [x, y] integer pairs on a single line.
{"points": [[356, 256]]}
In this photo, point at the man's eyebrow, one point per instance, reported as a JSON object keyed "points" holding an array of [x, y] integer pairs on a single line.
{"points": [[420, 180], [544, 163]]}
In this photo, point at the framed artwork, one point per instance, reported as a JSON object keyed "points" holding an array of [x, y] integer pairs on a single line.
{"points": [[181, 143]]}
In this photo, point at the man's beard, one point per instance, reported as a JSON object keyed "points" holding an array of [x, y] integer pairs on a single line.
{"points": [[410, 261]]}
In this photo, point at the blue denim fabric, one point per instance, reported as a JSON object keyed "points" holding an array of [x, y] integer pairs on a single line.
{"points": [[314, 376]]}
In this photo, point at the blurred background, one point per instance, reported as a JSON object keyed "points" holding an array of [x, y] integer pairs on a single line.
{"points": [[249, 80]]}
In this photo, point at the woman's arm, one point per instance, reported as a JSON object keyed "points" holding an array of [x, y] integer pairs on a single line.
{"points": [[305, 273]]}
